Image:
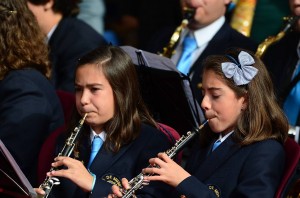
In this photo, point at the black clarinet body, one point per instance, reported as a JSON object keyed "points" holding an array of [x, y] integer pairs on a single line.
{"points": [[67, 150]]}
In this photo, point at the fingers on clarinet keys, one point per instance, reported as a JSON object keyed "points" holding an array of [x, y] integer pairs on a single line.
{"points": [[55, 181], [52, 181], [145, 183]]}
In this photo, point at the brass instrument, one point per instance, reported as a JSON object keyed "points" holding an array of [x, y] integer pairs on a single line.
{"points": [[169, 50], [137, 182], [272, 39], [242, 16], [68, 148]]}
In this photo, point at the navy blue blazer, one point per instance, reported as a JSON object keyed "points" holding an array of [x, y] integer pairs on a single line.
{"points": [[71, 39], [110, 168], [29, 111], [232, 171], [225, 38], [281, 60]]}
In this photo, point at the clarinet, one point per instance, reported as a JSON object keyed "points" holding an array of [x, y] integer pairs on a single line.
{"points": [[137, 182], [68, 148]]}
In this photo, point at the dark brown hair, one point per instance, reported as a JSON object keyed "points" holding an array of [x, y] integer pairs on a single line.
{"points": [[130, 110], [65, 7], [263, 118], [22, 44]]}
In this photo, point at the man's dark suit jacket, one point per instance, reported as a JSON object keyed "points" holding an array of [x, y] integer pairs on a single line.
{"points": [[281, 59], [112, 167], [225, 38], [231, 171], [29, 111], [71, 39]]}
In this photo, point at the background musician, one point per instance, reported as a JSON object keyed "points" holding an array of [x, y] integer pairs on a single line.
{"points": [[68, 37], [209, 33], [282, 60], [29, 107]]}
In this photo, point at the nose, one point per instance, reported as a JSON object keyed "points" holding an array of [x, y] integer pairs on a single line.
{"points": [[84, 98], [205, 104]]}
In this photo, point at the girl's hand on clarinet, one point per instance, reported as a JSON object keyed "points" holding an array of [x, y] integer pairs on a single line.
{"points": [[166, 170], [116, 189], [40, 193], [76, 172]]}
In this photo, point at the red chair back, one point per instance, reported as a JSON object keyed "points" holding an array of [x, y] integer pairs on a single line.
{"points": [[47, 154], [292, 150], [67, 100], [173, 136]]}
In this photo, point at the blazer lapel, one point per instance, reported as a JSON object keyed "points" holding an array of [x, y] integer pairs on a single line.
{"points": [[84, 154], [215, 159], [72, 189]]}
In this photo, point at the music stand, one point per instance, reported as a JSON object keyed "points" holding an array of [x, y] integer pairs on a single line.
{"points": [[13, 182], [166, 91]]}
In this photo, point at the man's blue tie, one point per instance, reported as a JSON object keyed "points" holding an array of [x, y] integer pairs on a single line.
{"points": [[185, 61], [96, 145], [292, 103], [216, 144]]}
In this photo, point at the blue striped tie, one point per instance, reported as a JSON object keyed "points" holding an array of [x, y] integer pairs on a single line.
{"points": [[216, 144], [185, 61], [96, 145], [292, 103]]}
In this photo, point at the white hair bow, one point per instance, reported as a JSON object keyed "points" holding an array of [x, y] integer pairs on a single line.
{"points": [[241, 75]]}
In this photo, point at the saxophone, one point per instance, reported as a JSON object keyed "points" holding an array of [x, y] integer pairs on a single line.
{"points": [[272, 39], [169, 50], [138, 183], [68, 148]]}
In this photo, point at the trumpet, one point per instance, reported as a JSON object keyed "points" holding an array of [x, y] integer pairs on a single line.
{"points": [[138, 183], [67, 150], [272, 39], [169, 50]]}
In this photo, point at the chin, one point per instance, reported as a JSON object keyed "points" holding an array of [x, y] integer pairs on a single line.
{"points": [[215, 129]]}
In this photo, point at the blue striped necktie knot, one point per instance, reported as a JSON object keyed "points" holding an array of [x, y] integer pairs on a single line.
{"points": [[188, 46], [216, 144], [96, 145]]}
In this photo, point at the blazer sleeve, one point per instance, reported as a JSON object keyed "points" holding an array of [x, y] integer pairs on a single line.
{"points": [[25, 117], [259, 176]]}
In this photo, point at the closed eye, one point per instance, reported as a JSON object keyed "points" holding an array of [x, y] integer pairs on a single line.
{"points": [[216, 96], [94, 89]]}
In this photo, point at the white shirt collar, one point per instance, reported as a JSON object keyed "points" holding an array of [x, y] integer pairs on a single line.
{"points": [[202, 36], [50, 33], [102, 135], [205, 34], [223, 138]]}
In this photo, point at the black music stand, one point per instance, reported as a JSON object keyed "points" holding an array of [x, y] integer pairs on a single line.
{"points": [[166, 91], [13, 182]]}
